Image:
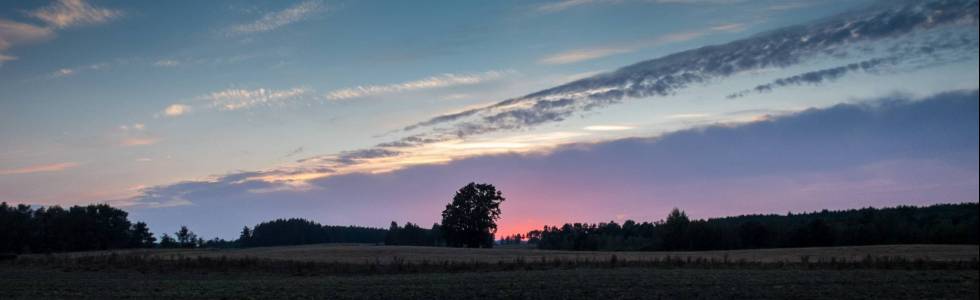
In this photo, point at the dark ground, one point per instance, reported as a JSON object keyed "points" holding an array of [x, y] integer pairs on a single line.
{"points": [[579, 283], [395, 272]]}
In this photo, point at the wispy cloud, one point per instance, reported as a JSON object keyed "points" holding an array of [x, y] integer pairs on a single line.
{"points": [[133, 127], [569, 4], [273, 20], [852, 34], [15, 33], [166, 63], [69, 13], [585, 54], [236, 99], [139, 141], [566, 4], [135, 134], [438, 81], [65, 72], [608, 127], [689, 116], [940, 49], [59, 15], [176, 110], [55, 167], [578, 55], [789, 6]]}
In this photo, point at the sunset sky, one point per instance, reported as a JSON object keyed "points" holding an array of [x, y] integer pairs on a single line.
{"points": [[221, 114]]}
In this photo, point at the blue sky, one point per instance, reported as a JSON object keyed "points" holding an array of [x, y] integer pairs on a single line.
{"points": [[176, 109]]}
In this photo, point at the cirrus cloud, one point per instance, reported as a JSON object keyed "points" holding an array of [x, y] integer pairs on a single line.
{"points": [[62, 14], [274, 20], [69, 13], [55, 167], [438, 81]]}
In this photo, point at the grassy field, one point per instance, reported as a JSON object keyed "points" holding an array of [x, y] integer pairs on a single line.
{"points": [[899, 271], [371, 253]]}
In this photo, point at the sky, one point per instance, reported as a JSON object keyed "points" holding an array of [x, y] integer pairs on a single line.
{"points": [[221, 114]]}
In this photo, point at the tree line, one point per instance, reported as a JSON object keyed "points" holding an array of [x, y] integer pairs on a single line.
{"points": [[469, 220], [24, 229], [294, 231], [936, 224]]}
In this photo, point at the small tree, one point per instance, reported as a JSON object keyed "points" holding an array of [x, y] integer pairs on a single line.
{"points": [[470, 219], [141, 236], [167, 241], [186, 238], [245, 237]]}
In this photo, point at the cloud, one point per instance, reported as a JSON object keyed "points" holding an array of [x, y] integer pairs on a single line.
{"points": [[70, 13], [166, 63], [566, 4], [55, 167], [135, 134], [294, 152], [59, 15], [65, 72], [438, 81], [818, 76], [929, 52], [578, 55], [16, 33], [235, 99], [139, 141], [730, 27], [274, 20], [849, 155], [789, 6], [914, 26], [569, 4], [608, 128], [176, 110], [136, 126]]}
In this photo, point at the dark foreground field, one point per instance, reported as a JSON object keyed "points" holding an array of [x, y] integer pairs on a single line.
{"points": [[907, 272]]}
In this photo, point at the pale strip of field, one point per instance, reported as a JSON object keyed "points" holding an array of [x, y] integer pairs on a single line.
{"points": [[383, 254]]}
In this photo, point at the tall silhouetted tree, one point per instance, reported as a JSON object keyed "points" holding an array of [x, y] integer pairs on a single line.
{"points": [[675, 230], [245, 237], [470, 220]]}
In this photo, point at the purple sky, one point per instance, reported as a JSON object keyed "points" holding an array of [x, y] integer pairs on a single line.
{"points": [[883, 152]]}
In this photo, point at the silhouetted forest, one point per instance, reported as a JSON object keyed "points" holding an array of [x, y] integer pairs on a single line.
{"points": [[414, 235], [78, 228], [294, 231], [936, 224], [100, 227]]}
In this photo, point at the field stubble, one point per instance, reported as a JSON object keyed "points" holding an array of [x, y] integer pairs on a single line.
{"points": [[358, 271]]}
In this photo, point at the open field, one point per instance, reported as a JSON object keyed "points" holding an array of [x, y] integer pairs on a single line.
{"points": [[585, 283], [372, 253], [359, 271]]}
